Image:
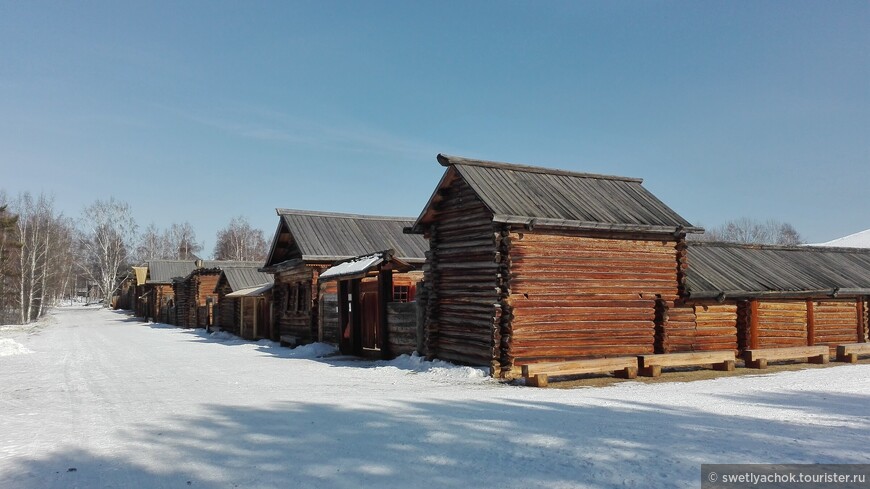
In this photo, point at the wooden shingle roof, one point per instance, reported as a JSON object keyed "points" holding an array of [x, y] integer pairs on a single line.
{"points": [[165, 271], [327, 237], [729, 270], [543, 197], [240, 278]]}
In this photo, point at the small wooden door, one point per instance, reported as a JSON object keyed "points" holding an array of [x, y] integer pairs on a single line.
{"points": [[370, 324]]}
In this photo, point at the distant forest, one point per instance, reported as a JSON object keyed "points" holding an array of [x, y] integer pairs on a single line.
{"points": [[47, 256]]}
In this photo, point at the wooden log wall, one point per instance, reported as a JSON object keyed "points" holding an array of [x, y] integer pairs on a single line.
{"points": [[462, 277], [835, 322], [782, 323], [401, 328], [227, 310], [864, 319], [289, 321], [698, 327], [675, 327], [205, 284], [329, 326], [579, 297], [183, 303]]}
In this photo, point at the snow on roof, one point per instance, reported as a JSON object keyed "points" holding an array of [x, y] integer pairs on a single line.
{"points": [[857, 240]]}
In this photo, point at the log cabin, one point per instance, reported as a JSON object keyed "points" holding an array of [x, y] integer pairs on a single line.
{"points": [[195, 295], [305, 244], [762, 297], [244, 305], [529, 265], [155, 295]]}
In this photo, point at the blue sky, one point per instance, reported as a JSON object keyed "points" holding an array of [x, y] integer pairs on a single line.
{"points": [[201, 111]]}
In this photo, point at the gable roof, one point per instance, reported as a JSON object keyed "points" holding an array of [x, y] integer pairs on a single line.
{"points": [[240, 278], [730, 270], [328, 237], [534, 196], [165, 271]]}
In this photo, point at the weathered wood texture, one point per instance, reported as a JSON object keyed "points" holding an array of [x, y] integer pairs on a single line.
{"points": [[204, 285], [329, 327], [401, 328], [462, 276], [184, 301], [782, 324], [301, 324], [698, 327], [864, 319], [227, 311], [579, 297], [836, 323]]}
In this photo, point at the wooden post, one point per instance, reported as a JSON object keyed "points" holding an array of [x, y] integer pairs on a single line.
{"points": [[753, 324], [385, 295], [862, 332], [355, 317], [344, 342], [242, 317], [254, 326], [811, 323]]}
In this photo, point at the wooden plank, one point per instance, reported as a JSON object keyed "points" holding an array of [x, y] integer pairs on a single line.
{"points": [[791, 353], [850, 352], [686, 359], [580, 366]]}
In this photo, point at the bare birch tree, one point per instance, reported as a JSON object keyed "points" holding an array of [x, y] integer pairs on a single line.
{"points": [[239, 241], [182, 239], [751, 231], [108, 233], [9, 249]]}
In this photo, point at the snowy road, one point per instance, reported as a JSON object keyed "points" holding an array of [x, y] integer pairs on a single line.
{"points": [[94, 399]]}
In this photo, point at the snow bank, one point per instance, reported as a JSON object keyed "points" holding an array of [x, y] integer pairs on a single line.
{"points": [[436, 369], [9, 347], [311, 351]]}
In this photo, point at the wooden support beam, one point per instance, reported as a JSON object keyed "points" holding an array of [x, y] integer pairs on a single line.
{"points": [[862, 331], [355, 317], [753, 324], [811, 323], [385, 295]]}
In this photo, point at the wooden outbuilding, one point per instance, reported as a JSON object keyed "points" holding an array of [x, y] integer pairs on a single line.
{"points": [[195, 294], [305, 244], [764, 297], [244, 305], [531, 265], [376, 304], [155, 296]]}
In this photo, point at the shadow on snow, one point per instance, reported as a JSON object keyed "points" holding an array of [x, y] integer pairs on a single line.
{"points": [[469, 444]]}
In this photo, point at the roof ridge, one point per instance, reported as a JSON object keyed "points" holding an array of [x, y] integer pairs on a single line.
{"points": [[283, 212], [448, 160], [759, 246]]}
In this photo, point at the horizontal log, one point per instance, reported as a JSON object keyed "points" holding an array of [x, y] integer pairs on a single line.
{"points": [[579, 366], [529, 355]]}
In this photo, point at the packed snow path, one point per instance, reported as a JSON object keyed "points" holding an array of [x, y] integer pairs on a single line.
{"points": [[95, 399]]}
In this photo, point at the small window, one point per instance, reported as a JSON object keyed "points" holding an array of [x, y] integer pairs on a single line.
{"points": [[401, 293]]}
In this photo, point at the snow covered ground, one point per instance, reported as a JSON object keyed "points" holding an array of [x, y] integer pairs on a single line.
{"points": [[95, 399]]}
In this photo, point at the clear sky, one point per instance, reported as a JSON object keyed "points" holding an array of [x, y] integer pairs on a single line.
{"points": [[201, 111]]}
